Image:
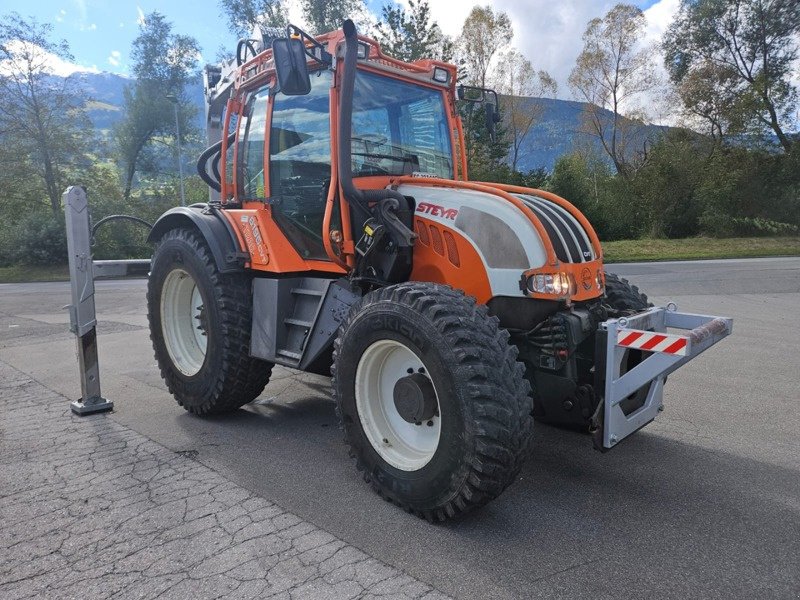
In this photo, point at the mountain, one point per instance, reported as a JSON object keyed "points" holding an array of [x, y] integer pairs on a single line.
{"points": [[106, 93], [556, 133]]}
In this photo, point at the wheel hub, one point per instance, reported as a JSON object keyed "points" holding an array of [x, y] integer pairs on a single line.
{"points": [[184, 322], [415, 398], [397, 405]]}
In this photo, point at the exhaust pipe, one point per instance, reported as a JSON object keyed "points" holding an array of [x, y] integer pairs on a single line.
{"points": [[389, 202]]}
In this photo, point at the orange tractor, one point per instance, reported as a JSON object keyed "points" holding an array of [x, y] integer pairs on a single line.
{"points": [[344, 237]]}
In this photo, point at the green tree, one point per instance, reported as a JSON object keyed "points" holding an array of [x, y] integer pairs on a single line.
{"points": [[486, 155], [708, 95], [323, 16], [753, 45], [163, 63], [243, 15], [412, 35], [518, 82], [667, 184], [485, 33], [44, 129], [581, 181], [611, 72]]}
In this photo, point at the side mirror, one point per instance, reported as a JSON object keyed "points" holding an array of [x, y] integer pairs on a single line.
{"points": [[291, 67], [479, 95]]}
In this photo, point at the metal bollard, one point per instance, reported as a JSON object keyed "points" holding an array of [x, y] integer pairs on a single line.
{"points": [[82, 315]]}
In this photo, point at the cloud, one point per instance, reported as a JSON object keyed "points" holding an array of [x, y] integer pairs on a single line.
{"points": [[82, 10], [60, 16], [450, 14], [50, 62], [114, 57], [141, 20], [89, 27], [547, 32], [659, 16]]}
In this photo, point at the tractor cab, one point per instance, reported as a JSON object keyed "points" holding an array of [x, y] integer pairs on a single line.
{"points": [[283, 142]]}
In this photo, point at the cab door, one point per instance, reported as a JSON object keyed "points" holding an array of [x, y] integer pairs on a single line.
{"points": [[300, 165]]}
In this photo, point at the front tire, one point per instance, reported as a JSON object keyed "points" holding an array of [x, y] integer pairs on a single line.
{"points": [[623, 298], [200, 323], [457, 432]]}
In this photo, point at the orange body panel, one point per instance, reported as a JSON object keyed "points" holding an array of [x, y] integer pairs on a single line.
{"points": [[269, 249], [433, 262]]}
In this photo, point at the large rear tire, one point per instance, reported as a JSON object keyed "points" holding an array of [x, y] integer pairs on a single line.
{"points": [[200, 323], [433, 403]]}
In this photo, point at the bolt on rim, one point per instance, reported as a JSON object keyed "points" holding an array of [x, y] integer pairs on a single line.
{"points": [[183, 322], [405, 445]]}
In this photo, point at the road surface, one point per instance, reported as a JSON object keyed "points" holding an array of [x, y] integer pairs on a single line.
{"points": [[704, 502]]}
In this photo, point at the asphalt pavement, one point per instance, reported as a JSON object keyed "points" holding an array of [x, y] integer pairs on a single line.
{"points": [[702, 503]]}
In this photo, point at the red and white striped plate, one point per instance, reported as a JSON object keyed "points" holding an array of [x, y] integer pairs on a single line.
{"points": [[653, 342]]}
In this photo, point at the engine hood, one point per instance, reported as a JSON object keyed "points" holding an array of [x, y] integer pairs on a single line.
{"points": [[501, 233]]}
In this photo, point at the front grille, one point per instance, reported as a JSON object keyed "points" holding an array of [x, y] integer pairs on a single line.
{"points": [[570, 241]]}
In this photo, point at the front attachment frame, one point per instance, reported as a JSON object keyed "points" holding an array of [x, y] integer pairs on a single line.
{"points": [[665, 353]]}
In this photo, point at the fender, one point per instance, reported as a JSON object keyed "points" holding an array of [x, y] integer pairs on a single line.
{"points": [[214, 228]]}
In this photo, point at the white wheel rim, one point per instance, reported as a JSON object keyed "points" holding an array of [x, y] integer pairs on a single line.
{"points": [[181, 314], [403, 445]]}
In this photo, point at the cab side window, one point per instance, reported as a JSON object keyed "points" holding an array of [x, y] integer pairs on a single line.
{"points": [[300, 164], [252, 129]]}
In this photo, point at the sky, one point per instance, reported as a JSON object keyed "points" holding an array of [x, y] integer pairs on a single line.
{"points": [[100, 32]]}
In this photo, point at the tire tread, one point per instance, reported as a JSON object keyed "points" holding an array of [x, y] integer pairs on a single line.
{"points": [[241, 378], [498, 390]]}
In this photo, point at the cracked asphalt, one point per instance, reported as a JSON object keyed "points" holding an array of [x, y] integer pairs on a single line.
{"points": [[149, 501], [92, 509]]}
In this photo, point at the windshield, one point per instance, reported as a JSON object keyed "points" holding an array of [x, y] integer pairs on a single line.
{"points": [[399, 128]]}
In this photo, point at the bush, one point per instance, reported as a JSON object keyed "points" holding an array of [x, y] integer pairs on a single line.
{"points": [[607, 201], [123, 239], [36, 239], [666, 186]]}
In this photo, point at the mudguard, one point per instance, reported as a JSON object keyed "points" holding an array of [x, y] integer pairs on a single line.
{"points": [[214, 228]]}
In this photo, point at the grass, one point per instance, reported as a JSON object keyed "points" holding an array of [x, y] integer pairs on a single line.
{"points": [[621, 251], [699, 248], [21, 273]]}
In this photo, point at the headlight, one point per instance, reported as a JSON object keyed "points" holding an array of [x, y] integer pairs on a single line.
{"points": [[441, 75], [555, 284]]}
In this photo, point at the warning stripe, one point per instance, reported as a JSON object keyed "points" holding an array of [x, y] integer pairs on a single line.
{"points": [[632, 337], [652, 341]]}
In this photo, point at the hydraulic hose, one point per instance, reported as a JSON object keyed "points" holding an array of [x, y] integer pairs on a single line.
{"points": [[202, 165], [120, 218], [390, 201]]}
